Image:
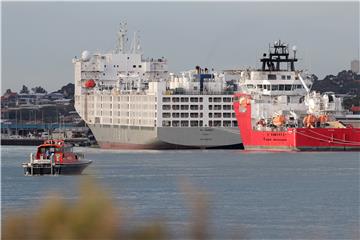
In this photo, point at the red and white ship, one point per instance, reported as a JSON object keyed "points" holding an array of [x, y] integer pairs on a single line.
{"points": [[330, 136], [275, 109]]}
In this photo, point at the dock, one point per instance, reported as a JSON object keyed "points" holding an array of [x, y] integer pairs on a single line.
{"points": [[38, 141]]}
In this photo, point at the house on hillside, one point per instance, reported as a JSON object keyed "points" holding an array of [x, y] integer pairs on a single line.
{"points": [[9, 99]]}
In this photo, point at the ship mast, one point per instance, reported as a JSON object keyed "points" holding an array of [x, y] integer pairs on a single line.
{"points": [[278, 54], [121, 40], [135, 45]]}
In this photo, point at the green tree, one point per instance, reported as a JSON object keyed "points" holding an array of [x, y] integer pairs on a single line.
{"points": [[24, 89], [38, 90]]}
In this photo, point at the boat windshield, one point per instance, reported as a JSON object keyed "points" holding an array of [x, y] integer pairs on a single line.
{"points": [[45, 149], [48, 150], [68, 149]]}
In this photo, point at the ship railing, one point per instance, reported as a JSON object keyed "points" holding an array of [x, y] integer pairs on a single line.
{"points": [[32, 158], [80, 155], [41, 161], [103, 91], [119, 92], [198, 93], [155, 60], [270, 129], [36, 163]]}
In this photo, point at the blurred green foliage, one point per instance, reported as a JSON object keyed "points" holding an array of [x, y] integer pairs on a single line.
{"points": [[92, 216]]}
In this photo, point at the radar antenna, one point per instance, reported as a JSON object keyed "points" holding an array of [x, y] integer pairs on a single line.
{"points": [[278, 54]]}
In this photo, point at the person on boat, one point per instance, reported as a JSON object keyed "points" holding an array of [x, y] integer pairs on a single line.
{"points": [[47, 154], [52, 156]]}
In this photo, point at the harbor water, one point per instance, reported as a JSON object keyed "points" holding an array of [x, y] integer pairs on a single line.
{"points": [[261, 195]]}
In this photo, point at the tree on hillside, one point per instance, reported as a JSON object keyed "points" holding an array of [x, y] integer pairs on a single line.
{"points": [[68, 90], [38, 90], [24, 90], [314, 77], [8, 91]]}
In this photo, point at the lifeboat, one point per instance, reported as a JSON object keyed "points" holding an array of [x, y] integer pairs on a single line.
{"points": [[309, 121], [90, 84], [55, 157], [279, 120], [323, 118]]}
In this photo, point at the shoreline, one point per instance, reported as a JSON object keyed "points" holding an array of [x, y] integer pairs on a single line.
{"points": [[82, 142]]}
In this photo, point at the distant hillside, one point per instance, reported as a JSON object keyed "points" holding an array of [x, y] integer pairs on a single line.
{"points": [[68, 90], [37, 109], [346, 82]]}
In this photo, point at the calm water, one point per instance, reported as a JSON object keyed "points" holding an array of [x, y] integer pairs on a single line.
{"points": [[265, 195]]}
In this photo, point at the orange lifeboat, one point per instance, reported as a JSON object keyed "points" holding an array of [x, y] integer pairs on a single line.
{"points": [[309, 121], [279, 120], [90, 83], [323, 118]]}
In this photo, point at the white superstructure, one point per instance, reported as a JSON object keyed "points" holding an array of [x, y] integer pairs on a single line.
{"points": [[130, 101], [278, 86]]}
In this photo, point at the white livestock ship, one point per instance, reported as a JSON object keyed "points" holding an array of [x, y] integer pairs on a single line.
{"points": [[132, 102]]}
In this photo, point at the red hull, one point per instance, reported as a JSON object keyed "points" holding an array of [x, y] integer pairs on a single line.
{"points": [[294, 139]]}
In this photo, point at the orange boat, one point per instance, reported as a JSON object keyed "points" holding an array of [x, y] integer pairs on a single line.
{"points": [[55, 157]]}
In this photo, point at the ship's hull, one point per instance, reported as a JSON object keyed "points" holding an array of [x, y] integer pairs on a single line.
{"points": [[131, 137], [63, 169], [304, 139]]}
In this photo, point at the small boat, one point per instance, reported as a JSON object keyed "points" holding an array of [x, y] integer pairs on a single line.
{"points": [[55, 157]]}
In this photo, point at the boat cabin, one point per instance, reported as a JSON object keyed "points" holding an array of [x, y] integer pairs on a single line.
{"points": [[62, 152]]}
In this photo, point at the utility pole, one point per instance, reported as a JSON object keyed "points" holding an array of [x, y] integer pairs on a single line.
{"points": [[20, 122], [16, 123]]}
